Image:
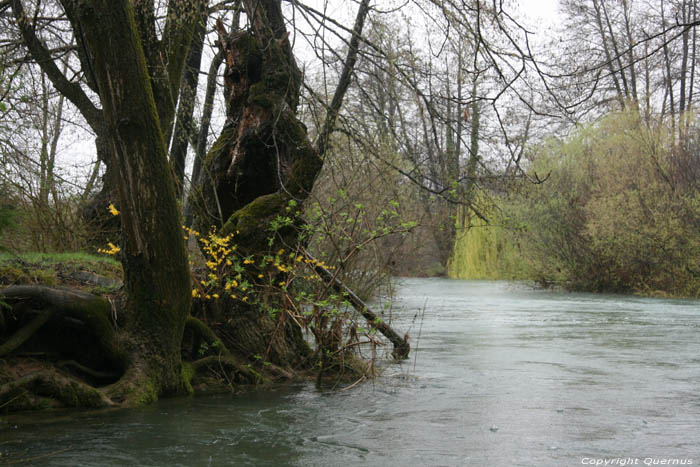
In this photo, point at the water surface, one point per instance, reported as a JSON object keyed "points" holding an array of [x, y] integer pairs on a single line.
{"points": [[501, 375]]}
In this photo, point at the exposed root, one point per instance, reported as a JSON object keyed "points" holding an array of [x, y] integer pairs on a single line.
{"points": [[228, 368], [26, 332], [94, 374], [134, 389], [19, 394], [66, 375], [92, 311], [201, 330]]}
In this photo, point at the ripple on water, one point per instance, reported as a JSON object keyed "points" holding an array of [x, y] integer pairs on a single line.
{"points": [[562, 376]]}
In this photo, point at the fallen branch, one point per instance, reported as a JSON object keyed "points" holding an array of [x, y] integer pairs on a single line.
{"points": [[401, 345]]}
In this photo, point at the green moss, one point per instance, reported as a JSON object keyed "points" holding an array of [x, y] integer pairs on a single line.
{"points": [[74, 395], [255, 215], [13, 275], [250, 56], [260, 95], [187, 376], [51, 268], [147, 393], [226, 138], [16, 274]]}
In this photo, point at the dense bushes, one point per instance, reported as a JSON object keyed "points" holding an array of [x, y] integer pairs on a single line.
{"points": [[619, 212]]}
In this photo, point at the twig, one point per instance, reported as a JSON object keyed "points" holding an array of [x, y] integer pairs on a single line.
{"points": [[362, 378], [420, 330]]}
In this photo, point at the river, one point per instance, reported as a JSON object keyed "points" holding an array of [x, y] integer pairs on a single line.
{"points": [[500, 375]]}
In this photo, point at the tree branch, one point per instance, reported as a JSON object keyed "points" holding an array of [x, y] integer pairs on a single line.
{"points": [[41, 55], [345, 78]]}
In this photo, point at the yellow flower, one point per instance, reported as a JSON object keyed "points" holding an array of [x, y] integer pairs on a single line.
{"points": [[216, 295], [260, 276], [245, 299], [113, 249], [248, 261], [113, 210]]}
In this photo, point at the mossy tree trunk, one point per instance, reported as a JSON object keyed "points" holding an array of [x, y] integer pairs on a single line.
{"points": [[156, 271], [264, 165]]}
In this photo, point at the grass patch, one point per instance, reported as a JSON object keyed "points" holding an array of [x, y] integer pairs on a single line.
{"points": [[54, 258]]}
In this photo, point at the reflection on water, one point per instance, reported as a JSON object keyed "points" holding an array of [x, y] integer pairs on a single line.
{"points": [[502, 375]]}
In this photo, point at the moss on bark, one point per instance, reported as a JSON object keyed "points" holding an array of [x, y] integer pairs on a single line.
{"points": [[156, 272]]}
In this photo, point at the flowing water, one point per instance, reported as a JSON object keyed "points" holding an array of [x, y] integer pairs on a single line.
{"points": [[500, 375]]}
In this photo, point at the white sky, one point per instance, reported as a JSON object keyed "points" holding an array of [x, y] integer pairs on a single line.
{"points": [[538, 16], [541, 9]]}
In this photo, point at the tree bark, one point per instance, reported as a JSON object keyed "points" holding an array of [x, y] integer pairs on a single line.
{"points": [[156, 271], [184, 129]]}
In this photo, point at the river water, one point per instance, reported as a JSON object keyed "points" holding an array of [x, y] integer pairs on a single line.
{"points": [[500, 375]]}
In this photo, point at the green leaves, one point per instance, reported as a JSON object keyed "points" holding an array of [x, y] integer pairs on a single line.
{"points": [[614, 215]]}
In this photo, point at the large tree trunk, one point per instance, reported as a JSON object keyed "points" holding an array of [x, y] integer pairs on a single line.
{"points": [[263, 165], [261, 161], [156, 272]]}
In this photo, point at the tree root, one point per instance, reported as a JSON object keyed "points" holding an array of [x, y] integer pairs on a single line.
{"points": [[233, 370], [50, 383], [21, 336], [199, 328], [98, 375], [92, 311]]}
